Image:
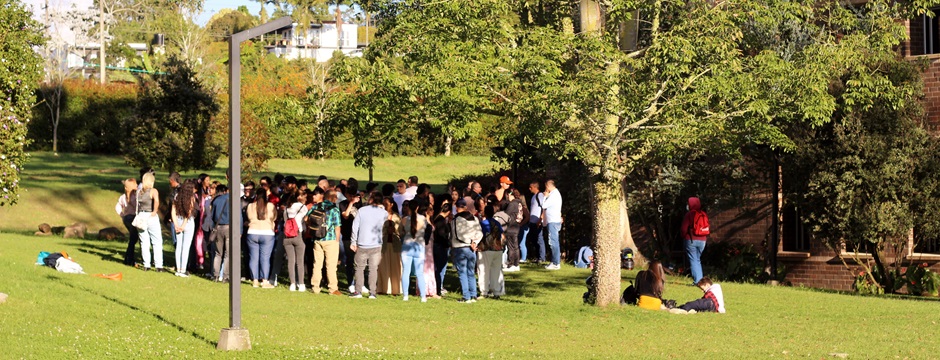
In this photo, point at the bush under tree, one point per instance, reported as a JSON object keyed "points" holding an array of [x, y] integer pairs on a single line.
{"points": [[172, 120]]}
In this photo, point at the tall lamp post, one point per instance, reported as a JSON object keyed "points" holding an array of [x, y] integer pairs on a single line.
{"points": [[235, 337]]}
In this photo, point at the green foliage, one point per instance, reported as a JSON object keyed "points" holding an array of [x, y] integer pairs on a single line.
{"points": [[171, 123], [734, 261], [20, 71], [920, 280], [227, 22], [92, 118]]}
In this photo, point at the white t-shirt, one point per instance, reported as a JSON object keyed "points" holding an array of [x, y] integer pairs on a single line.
{"points": [[535, 207], [552, 205], [399, 199]]}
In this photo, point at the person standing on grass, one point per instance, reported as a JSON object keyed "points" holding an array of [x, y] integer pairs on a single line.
{"points": [[203, 198], [426, 208], [220, 235], [151, 239], [175, 183], [694, 244], [367, 241], [552, 220], [412, 231], [294, 246], [390, 267], [535, 228], [400, 195], [126, 208], [261, 215], [349, 209], [441, 223], [465, 235], [326, 249], [491, 251], [183, 213], [515, 209]]}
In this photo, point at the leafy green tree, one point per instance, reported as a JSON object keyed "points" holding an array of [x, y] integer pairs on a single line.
{"points": [[20, 71], [172, 120], [871, 174]]}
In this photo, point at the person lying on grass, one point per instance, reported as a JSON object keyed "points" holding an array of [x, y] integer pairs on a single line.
{"points": [[712, 301]]}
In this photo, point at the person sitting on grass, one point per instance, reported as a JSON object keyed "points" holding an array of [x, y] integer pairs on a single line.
{"points": [[712, 301], [650, 284]]}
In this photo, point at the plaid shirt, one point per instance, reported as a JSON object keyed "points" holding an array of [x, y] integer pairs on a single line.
{"points": [[332, 219]]}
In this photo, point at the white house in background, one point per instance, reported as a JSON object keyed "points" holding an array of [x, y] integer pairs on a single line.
{"points": [[318, 42]]}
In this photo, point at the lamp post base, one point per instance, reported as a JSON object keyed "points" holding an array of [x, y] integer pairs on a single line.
{"points": [[234, 339]]}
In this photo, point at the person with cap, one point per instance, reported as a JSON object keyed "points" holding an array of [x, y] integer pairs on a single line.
{"points": [[466, 234], [504, 184]]}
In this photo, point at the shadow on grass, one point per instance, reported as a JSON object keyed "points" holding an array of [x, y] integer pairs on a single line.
{"points": [[159, 317], [112, 254]]}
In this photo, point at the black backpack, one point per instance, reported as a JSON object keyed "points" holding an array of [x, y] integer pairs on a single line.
{"points": [[316, 221], [630, 296]]}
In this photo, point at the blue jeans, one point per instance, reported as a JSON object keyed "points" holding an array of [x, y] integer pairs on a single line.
{"points": [[184, 240], [693, 249], [259, 255], [537, 234], [466, 262], [441, 254], [412, 258], [152, 238], [553, 229], [523, 249]]}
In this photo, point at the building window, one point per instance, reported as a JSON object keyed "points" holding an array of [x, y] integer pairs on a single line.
{"points": [[795, 232], [931, 33], [924, 244]]}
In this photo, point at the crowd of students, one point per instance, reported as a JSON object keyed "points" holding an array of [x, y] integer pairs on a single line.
{"points": [[379, 236]]}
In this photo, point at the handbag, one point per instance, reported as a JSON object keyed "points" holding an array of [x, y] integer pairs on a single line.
{"points": [[141, 220]]}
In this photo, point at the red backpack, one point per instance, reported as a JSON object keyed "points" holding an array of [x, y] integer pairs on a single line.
{"points": [[700, 225], [290, 226]]}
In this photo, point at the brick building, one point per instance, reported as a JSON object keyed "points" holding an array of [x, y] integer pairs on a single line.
{"points": [[814, 264]]}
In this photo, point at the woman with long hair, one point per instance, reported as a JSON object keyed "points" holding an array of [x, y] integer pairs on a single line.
{"points": [[650, 284], [151, 238], [294, 246], [441, 243], [261, 217], [430, 274], [183, 215], [390, 266], [514, 207], [412, 232], [126, 208], [203, 199]]}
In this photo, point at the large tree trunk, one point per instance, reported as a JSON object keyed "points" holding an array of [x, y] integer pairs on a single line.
{"points": [[611, 230]]}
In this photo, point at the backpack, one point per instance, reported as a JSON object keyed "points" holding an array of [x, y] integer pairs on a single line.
{"points": [[630, 296], [290, 226], [316, 221], [700, 225]]}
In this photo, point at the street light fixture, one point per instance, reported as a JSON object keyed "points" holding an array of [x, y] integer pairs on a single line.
{"points": [[235, 337]]}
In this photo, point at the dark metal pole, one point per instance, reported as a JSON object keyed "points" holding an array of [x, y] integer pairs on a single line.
{"points": [[234, 337], [775, 222], [235, 164]]}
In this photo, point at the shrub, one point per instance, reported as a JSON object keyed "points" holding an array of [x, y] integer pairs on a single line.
{"points": [[93, 119]]}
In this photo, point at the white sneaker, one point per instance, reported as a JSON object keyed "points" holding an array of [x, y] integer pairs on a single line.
{"points": [[293, 287], [302, 288], [365, 290], [511, 269], [371, 297], [352, 289], [424, 300], [553, 267], [405, 298]]}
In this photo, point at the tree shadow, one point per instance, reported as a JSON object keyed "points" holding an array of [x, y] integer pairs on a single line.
{"points": [[159, 317]]}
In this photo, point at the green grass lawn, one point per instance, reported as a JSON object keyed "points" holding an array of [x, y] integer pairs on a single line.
{"points": [[61, 190], [150, 315]]}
